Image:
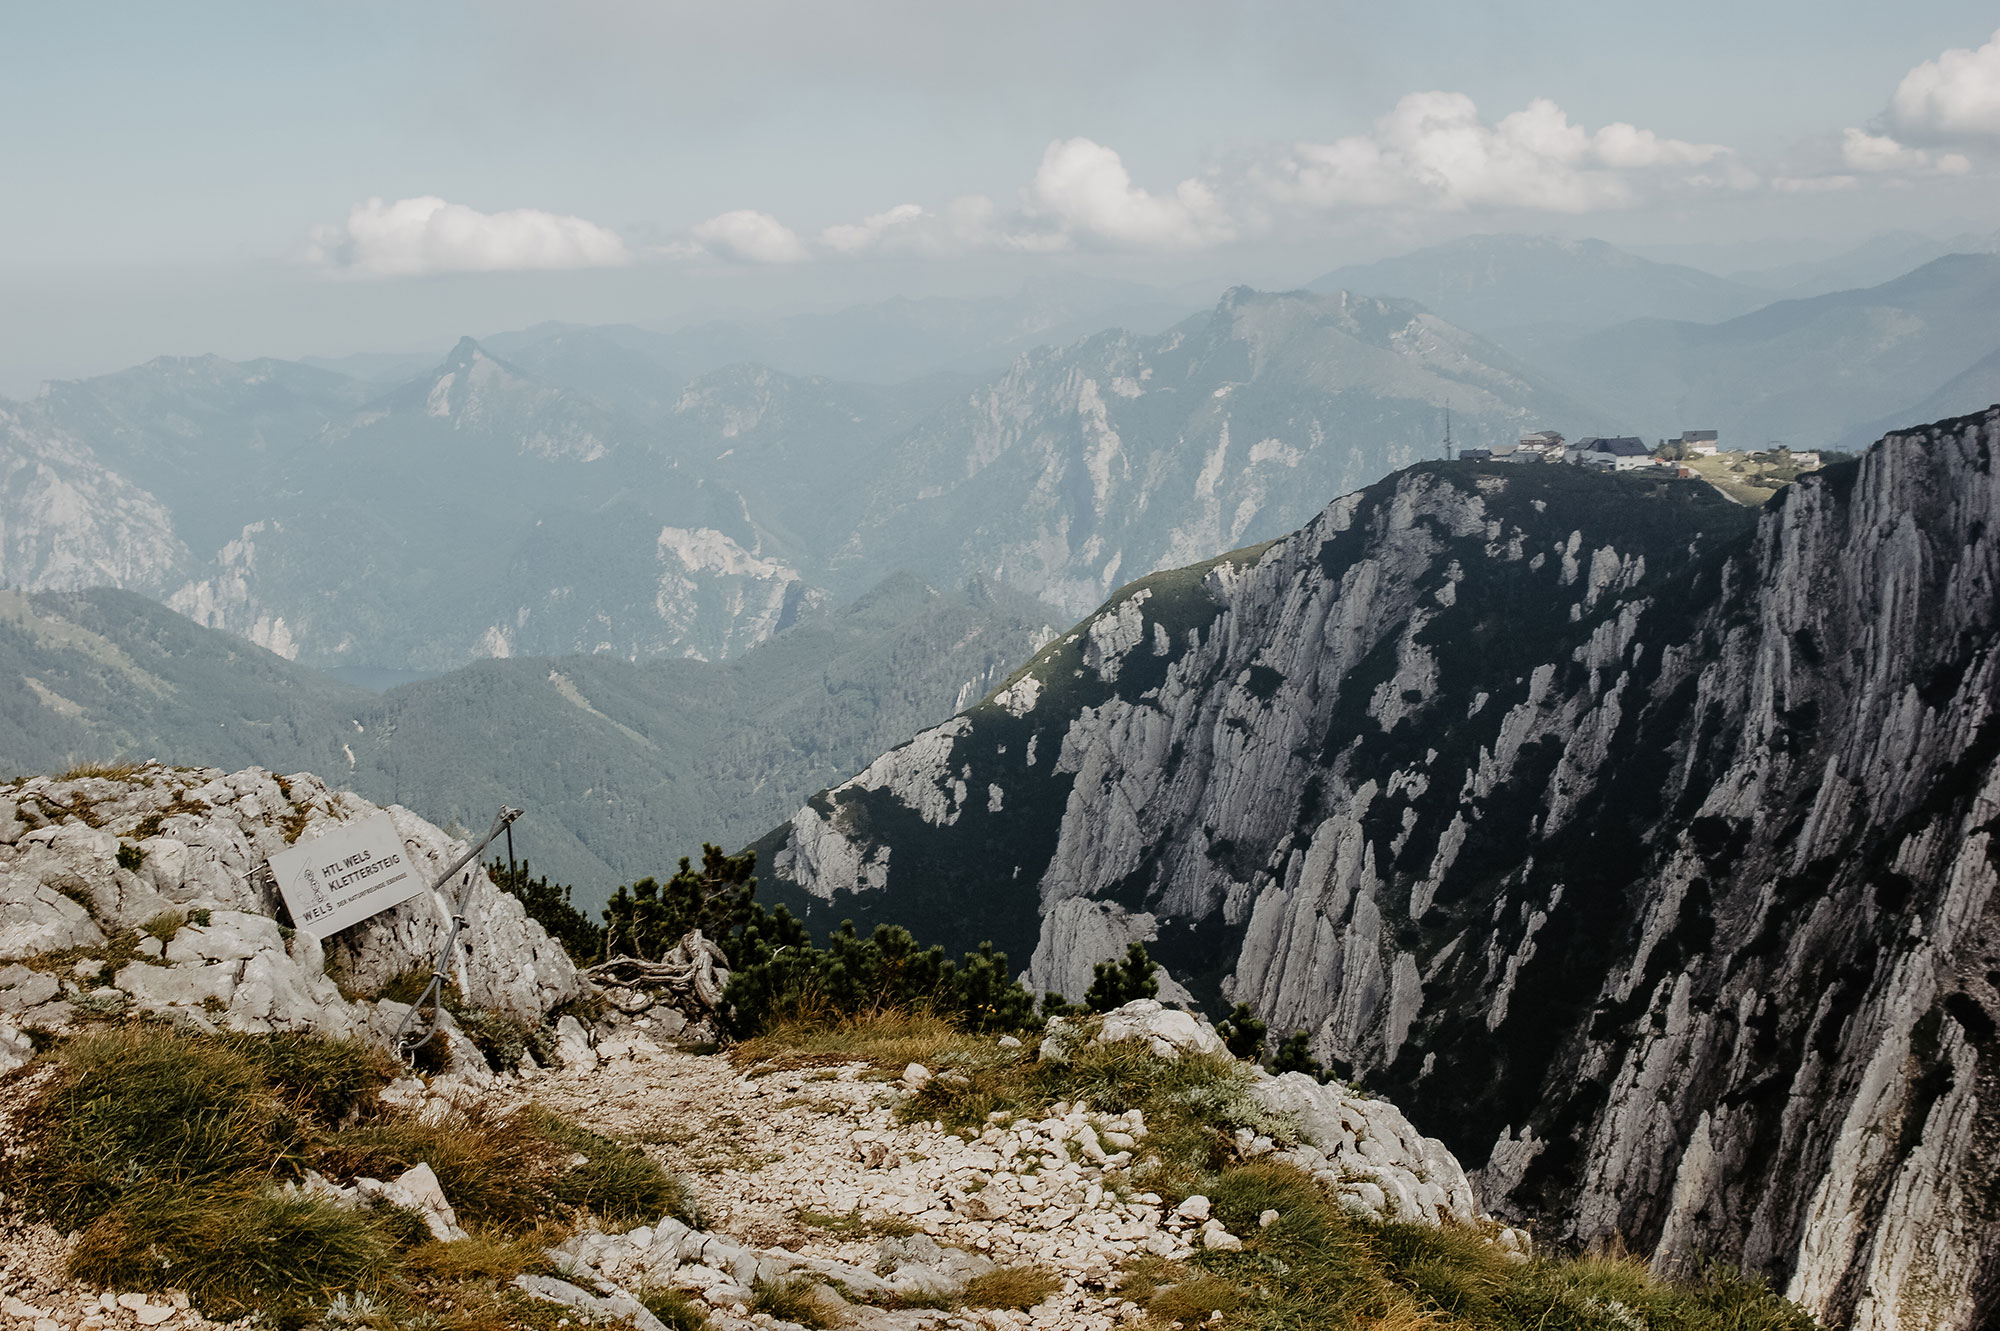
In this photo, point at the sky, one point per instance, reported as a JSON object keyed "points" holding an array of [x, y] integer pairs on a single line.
{"points": [[327, 178]]}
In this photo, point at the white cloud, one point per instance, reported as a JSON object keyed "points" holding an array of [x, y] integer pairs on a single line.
{"points": [[748, 236], [1814, 184], [1433, 152], [1956, 96], [414, 237], [890, 230], [1878, 153], [1083, 194]]}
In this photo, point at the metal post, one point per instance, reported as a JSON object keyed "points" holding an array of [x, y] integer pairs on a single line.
{"points": [[433, 993]]}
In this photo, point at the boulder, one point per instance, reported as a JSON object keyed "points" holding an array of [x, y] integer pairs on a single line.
{"points": [[1167, 1030], [16, 1049], [1368, 1152]]}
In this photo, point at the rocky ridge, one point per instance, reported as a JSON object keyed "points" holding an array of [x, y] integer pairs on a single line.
{"points": [[1088, 465], [1639, 846], [136, 891]]}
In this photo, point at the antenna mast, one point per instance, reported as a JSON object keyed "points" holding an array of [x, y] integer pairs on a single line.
{"points": [[1447, 434]]}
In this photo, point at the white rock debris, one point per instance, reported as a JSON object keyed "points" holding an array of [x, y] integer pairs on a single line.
{"points": [[791, 1167]]}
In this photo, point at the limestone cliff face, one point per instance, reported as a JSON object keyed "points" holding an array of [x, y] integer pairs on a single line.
{"points": [[68, 521], [1642, 850]]}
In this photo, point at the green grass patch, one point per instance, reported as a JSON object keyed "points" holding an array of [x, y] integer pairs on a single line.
{"points": [[330, 1080], [173, 1153], [238, 1246], [1318, 1266], [134, 1108], [680, 1311], [853, 1224]]}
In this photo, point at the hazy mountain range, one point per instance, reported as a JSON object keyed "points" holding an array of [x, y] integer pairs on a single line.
{"points": [[621, 766], [1806, 372], [479, 510], [885, 343], [1522, 289]]}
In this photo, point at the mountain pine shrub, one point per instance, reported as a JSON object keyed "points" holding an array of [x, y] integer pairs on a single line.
{"points": [[1117, 983], [1243, 1033], [1295, 1055], [647, 918]]}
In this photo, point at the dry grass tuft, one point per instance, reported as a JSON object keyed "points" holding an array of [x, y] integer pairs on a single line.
{"points": [[485, 1256], [890, 1041], [1016, 1287], [83, 771], [794, 1299], [165, 925]]}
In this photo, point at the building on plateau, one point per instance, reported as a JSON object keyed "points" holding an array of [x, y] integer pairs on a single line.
{"points": [[1698, 443], [1538, 446], [1624, 453]]}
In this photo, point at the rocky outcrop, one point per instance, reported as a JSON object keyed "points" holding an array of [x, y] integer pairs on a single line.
{"points": [[138, 891], [1638, 848]]}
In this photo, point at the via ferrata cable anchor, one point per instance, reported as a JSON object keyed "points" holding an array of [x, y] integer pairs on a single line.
{"points": [[408, 1040]]}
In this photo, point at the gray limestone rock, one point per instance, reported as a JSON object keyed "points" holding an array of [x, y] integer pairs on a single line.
{"points": [[618, 1307], [66, 884], [1166, 1030]]}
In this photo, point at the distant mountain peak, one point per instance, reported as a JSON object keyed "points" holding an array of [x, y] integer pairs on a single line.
{"points": [[1495, 284], [465, 354]]}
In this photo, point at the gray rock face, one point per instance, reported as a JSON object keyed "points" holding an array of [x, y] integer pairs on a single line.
{"points": [[1165, 1030], [70, 521], [1368, 1153], [174, 851], [1637, 847]]}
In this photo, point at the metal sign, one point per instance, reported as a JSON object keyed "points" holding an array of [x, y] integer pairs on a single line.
{"points": [[346, 874]]}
